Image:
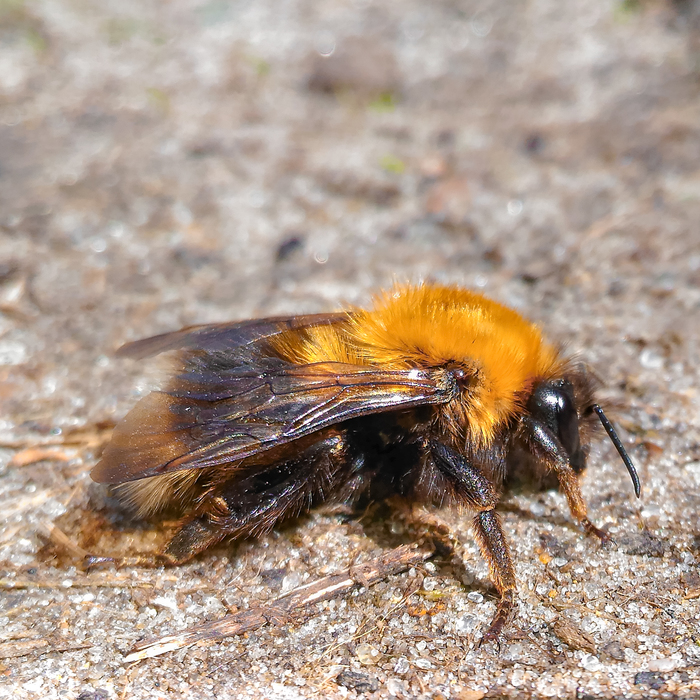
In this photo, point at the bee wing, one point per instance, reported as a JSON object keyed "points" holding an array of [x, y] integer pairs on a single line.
{"points": [[221, 337], [232, 399], [251, 412]]}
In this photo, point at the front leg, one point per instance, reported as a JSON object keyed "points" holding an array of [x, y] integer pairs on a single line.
{"points": [[480, 493], [548, 448]]}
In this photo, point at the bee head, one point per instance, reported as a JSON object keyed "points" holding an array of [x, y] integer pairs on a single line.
{"points": [[552, 404], [556, 405]]}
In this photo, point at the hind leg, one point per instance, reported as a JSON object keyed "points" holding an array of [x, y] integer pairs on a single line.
{"points": [[252, 503], [252, 506]]}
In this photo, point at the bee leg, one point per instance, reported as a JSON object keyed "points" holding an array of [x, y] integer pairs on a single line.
{"points": [[489, 535], [547, 447], [240, 511], [479, 492], [196, 535], [254, 505], [90, 561]]}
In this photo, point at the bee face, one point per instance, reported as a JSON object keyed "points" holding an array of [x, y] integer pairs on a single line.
{"points": [[433, 393], [552, 403]]}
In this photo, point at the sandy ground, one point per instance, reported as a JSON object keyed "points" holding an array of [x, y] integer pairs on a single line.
{"points": [[163, 164]]}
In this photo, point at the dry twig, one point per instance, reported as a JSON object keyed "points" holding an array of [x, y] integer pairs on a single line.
{"points": [[393, 562]]}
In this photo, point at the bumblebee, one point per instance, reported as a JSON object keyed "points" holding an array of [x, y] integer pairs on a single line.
{"points": [[435, 393]]}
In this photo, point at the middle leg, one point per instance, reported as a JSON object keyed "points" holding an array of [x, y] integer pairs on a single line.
{"points": [[479, 492]]}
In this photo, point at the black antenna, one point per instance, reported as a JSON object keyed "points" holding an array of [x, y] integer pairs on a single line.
{"points": [[619, 447]]}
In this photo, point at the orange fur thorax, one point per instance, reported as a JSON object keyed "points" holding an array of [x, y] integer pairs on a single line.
{"points": [[430, 326]]}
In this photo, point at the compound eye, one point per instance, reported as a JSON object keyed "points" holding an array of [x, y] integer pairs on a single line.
{"points": [[553, 404]]}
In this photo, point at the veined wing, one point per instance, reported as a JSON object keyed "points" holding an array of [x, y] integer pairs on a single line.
{"points": [[169, 430], [222, 337], [233, 399]]}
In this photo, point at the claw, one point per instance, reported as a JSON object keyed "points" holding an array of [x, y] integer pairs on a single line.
{"points": [[591, 529], [504, 614]]}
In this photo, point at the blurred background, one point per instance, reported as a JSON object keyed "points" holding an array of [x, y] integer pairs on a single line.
{"points": [[165, 164]]}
